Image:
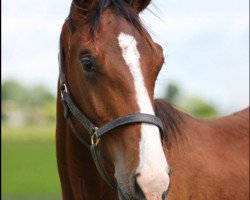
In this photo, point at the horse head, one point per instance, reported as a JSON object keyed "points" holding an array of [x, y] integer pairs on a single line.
{"points": [[111, 65]]}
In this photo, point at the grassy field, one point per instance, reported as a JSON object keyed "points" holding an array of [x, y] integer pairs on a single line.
{"points": [[29, 164]]}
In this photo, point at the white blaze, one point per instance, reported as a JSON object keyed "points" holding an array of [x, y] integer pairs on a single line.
{"points": [[153, 166]]}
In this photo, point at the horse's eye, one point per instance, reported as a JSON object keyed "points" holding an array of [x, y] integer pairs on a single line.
{"points": [[87, 64]]}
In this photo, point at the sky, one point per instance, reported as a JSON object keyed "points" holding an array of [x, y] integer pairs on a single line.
{"points": [[206, 45]]}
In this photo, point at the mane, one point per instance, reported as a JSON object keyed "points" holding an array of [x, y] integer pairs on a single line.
{"points": [[171, 120], [79, 15]]}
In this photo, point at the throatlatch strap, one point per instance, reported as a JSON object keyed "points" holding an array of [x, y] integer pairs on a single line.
{"points": [[98, 163]]}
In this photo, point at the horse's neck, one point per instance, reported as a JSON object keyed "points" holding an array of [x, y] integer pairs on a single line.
{"points": [[200, 139], [187, 130]]}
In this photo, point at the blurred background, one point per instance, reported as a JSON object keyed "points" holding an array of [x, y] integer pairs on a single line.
{"points": [[206, 73]]}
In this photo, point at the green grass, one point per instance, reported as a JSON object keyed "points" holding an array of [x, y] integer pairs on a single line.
{"points": [[29, 164]]}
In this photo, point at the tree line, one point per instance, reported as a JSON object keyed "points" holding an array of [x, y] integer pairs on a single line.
{"points": [[26, 105]]}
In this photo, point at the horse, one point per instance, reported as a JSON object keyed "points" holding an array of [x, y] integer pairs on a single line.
{"points": [[114, 140]]}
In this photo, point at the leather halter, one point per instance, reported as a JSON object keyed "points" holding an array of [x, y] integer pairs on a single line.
{"points": [[95, 132]]}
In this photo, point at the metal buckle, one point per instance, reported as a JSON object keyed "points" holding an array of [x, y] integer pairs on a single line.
{"points": [[63, 89], [94, 139]]}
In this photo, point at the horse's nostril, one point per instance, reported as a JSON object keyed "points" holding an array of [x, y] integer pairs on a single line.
{"points": [[137, 189], [165, 194]]}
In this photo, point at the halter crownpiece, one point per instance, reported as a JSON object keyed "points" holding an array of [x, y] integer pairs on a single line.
{"points": [[96, 132]]}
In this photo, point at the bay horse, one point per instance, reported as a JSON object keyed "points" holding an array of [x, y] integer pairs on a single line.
{"points": [[113, 140]]}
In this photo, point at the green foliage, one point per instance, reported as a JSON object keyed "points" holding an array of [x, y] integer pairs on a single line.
{"points": [[200, 108], [172, 93], [195, 106], [13, 91], [22, 105], [39, 96], [23, 96]]}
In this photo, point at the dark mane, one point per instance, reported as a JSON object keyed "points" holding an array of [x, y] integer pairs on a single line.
{"points": [[171, 119], [79, 15]]}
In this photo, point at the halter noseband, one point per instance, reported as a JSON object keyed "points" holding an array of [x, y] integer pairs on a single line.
{"points": [[95, 132]]}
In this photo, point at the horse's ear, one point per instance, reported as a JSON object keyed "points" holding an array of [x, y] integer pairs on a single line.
{"points": [[138, 5]]}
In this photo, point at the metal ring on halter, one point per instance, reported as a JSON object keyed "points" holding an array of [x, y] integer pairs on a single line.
{"points": [[94, 139], [64, 89]]}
